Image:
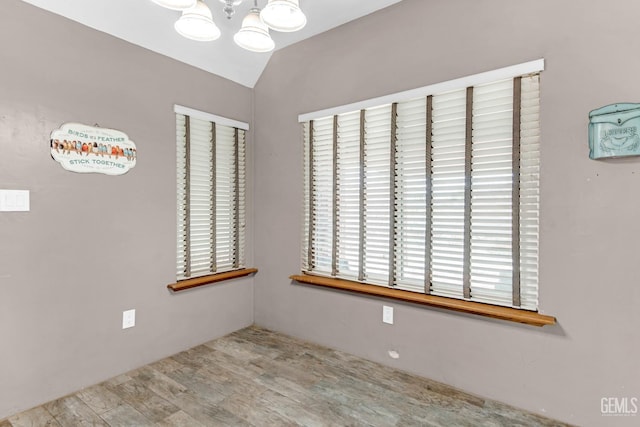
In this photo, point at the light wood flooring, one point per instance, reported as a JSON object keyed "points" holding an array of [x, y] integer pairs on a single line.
{"points": [[255, 377]]}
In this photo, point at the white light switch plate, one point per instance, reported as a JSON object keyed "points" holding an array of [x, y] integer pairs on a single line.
{"points": [[14, 200], [387, 314], [128, 319]]}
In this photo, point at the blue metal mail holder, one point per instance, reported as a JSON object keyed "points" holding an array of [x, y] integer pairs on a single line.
{"points": [[613, 131]]}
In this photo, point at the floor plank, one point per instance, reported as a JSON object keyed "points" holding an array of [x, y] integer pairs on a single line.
{"points": [[135, 393], [159, 383], [125, 416], [36, 417], [73, 412], [99, 399], [256, 377], [179, 419]]}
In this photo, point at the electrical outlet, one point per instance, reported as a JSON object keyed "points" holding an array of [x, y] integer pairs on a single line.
{"points": [[387, 314], [128, 319]]}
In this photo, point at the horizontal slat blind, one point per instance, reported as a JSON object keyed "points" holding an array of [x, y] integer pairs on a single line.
{"points": [[211, 197], [427, 201], [183, 269], [447, 186], [491, 193], [377, 194], [225, 198], [411, 209], [529, 190], [241, 185], [322, 190], [305, 232], [348, 200], [200, 195]]}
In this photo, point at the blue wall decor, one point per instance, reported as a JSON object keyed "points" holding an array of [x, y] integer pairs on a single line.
{"points": [[613, 131]]}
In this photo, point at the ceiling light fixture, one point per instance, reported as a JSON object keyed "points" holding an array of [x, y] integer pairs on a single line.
{"points": [[197, 23], [283, 15], [254, 34], [176, 4]]}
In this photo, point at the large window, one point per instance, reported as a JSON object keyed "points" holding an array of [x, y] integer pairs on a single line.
{"points": [[211, 194], [437, 194]]}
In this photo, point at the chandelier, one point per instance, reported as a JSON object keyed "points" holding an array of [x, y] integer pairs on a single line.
{"points": [[196, 22]]}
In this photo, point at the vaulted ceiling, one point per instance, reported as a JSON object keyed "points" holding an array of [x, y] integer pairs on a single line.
{"points": [[146, 24]]}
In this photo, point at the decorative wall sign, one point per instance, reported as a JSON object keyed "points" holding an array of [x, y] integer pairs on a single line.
{"points": [[85, 149], [613, 131]]}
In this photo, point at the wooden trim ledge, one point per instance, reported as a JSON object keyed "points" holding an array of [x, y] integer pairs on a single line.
{"points": [[488, 310], [212, 278]]}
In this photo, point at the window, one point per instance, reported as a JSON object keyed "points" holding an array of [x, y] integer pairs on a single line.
{"points": [[434, 194], [211, 194]]}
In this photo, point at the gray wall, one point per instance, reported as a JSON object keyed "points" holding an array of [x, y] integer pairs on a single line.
{"points": [[92, 245], [589, 265]]}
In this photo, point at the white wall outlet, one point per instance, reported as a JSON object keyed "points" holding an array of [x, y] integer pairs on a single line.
{"points": [[128, 319], [387, 314]]}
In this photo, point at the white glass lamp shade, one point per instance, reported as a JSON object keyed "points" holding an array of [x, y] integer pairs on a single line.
{"points": [[254, 34], [197, 24], [176, 4], [283, 15]]}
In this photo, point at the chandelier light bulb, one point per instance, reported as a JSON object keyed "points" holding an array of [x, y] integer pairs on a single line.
{"points": [[176, 4], [197, 23], [254, 34], [283, 15]]}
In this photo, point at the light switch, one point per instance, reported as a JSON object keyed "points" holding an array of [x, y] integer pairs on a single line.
{"points": [[14, 200]]}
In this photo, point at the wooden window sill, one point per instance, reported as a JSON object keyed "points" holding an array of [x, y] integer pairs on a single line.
{"points": [[212, 278], [488, 310]]}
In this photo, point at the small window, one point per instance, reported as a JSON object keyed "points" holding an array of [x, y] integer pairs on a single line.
{"points": [[210, 194], [437, 194]]}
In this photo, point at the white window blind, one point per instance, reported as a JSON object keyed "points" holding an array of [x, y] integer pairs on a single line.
{"points": [[491, 193], [529, 190], [437, 194], [410, 200], [377, 195], [322, 196], [210, 197], [448, 194], [348, 196]]}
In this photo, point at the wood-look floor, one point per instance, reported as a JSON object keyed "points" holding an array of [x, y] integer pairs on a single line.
{"points": [[255, 377]]}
